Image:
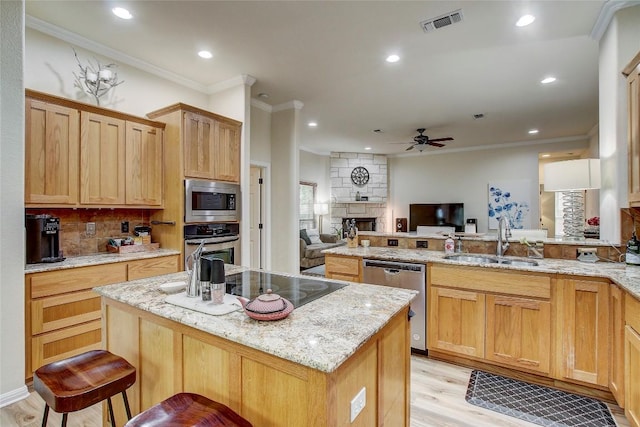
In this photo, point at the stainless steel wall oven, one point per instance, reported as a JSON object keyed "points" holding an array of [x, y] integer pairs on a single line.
{"points": [[221, 241], [208, 201]]}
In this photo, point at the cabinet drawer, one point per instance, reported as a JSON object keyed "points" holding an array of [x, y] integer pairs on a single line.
{"points": [[632, 312], [61, 311], [76, 279], [490, 280], [58, 345], [152, 267], [343, 265]]}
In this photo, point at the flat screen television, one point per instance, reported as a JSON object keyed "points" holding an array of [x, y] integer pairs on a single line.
{"points": [[437, 214]]}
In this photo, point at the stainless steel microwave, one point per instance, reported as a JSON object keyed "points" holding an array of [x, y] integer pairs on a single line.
{"points": [[207, 201]]}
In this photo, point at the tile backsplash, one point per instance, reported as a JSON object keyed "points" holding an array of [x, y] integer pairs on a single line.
{"points": [[74, 240]]}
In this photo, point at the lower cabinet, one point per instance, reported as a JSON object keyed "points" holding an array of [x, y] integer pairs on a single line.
{"points": [[583, 307], [343, 268], [62, 313], [632, 361], [616, 343]]}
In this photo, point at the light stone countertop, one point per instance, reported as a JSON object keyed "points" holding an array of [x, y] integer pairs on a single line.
{"points": [[96, 259], [627, 276], [321, 334]]}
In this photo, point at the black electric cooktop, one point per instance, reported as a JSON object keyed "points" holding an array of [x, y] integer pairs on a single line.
{"points": [[298, 290]]}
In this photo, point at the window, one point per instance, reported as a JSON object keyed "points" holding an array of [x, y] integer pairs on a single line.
{"points": [[307, 199]]}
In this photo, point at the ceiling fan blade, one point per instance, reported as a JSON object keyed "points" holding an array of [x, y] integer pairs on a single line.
{"points": [[441, 139], [410, 148], [401, 142], [435, 144]]}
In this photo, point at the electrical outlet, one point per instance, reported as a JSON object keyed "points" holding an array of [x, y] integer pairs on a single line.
{"points": [[358, 403], [587, 254], [422, 243], [124, 226], [392, 242], [91, 229]]}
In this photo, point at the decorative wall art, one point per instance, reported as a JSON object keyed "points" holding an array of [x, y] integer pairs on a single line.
{"points": [[511, 198], [96, 79]]}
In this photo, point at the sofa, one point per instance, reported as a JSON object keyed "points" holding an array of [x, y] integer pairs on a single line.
{"points": [[311, 248]]}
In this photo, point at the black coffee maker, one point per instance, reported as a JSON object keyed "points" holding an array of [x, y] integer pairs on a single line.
{"points": [[43, 239]]}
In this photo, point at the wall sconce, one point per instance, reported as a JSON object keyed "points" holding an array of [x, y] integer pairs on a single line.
{"points": [[97, 79], [320, 209], [572, 177]]}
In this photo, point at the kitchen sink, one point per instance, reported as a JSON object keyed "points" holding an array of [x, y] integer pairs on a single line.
{"points": [[488, 259], [481, 259]]}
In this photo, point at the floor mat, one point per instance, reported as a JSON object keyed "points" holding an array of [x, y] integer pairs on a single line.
{"points": [[537, 404]]}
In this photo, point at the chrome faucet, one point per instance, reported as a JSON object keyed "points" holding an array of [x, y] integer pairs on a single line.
{"points": [[503, 242]]}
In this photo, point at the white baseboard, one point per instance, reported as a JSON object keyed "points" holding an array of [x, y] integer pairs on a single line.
{"points": [[13, 396]]}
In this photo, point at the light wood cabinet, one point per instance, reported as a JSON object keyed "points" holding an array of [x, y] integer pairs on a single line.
{"points": [[343, 268], [51, 154], [632, 361], [199, 146], [495, 316], [143, 168], [226, 158], [518, 332], [616, 343], [584, 326], [62, 312], [102, 157], [82, 155], [171, 357], [632, 72]]}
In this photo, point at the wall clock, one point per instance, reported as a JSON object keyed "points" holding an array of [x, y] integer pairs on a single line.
{"points": [[360, 175]]}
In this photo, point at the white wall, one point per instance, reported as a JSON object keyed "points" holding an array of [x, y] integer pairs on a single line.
{"points": [[260, 135], [463, 177], [12, 252], [315, 168]]}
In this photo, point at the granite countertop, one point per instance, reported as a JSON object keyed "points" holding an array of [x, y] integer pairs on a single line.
{"points": [[321, 334], [626, 276], [96, 259], [484, 237]]}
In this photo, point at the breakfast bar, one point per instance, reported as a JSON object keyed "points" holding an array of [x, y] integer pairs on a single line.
{"points": [[305, 369]]}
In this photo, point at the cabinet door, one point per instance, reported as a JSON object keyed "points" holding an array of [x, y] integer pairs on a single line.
{"points": [[456, 321], [144, 268], [51, 153], [633, 91], [519, 332], [102, 157], [199, 136], [631, 375], [616, 344], [343, 268], [226, 156], [585, 352], [144, 154]]}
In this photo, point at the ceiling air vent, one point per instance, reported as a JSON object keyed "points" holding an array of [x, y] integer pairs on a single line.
{"points": [[442, 21]]}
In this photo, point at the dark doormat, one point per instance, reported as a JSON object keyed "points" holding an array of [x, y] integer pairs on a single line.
{"points": [[537, 404]]}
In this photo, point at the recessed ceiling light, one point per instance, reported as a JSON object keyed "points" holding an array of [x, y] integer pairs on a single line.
{"points": [[313, 124], [533, 131], [525, 20], [367, 148], [546, 155], [121, 12], [548, 80], [205, 54], [393, 58]]}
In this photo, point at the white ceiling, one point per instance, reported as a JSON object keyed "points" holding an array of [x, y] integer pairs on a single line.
{"points": [[331, 56]]}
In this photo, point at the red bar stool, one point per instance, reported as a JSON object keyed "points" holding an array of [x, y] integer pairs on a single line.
{"points": [[188, 409], [80, 381]]}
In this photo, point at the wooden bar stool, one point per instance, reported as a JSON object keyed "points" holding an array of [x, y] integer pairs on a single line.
{"points": [[188, 409], [80, 381]]}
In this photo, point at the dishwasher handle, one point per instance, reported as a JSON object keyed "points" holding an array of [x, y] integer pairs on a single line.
{"points": [[391, 271]]}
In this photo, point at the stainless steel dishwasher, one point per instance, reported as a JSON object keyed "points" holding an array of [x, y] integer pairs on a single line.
{"points": [[407, 276]]}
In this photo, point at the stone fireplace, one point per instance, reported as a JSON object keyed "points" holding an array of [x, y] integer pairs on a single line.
{"points": [[370, 214]]}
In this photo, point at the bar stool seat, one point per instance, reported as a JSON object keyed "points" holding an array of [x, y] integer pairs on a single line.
{"points": [[188, 409], [80, 381]]}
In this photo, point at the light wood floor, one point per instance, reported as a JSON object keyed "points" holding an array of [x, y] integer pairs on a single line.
{"points": [[437, 399]]}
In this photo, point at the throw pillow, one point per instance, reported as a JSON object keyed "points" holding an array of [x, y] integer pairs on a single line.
{"points": [[314, 236], [304, 236]]}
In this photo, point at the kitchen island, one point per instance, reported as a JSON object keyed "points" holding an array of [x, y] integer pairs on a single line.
{"points": [[302, 370]]}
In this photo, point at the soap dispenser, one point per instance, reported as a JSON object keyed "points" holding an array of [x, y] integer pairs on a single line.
{"points": [[449, 245], [633, 250]]}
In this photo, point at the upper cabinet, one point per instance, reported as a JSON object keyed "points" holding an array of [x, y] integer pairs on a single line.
{"points": [[208, 143], [82, 155], [51, 155], [632, 72]]}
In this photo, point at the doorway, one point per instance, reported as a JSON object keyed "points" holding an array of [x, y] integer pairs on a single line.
{"points": [[257, 217]]}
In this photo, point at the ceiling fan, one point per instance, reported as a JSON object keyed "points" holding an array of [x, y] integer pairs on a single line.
{"points": [[421, 141]]}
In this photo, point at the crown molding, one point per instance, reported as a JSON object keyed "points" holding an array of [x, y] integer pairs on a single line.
{"points": [[606, 15], [241, 80], [261, 105], [291, 105]]}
